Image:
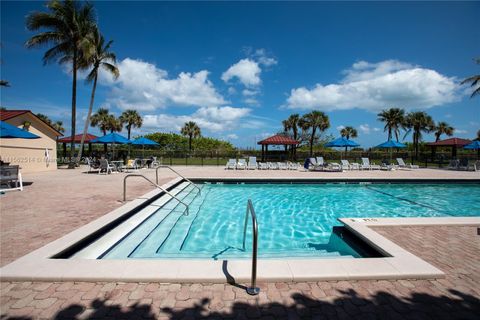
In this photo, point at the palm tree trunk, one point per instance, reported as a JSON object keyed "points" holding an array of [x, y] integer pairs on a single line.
{"points": [[74, 110], [312, 137], [87, 121], [128, 130], [389, 133], [190, 143]]}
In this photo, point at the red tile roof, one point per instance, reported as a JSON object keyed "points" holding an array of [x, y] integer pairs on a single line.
{"points": [[451, 142], [78, 138], [8, 114], [278, 140]]}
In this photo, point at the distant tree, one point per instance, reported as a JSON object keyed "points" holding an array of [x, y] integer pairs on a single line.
{"points": [[393, 119], [4, 83], [98, 57], [101, 120], [58, 125], [114, 124], [474, 80], [44, 118], [131, 119], [292, 123], [313, 121], [478, 135], [443, 128], [418, 122], [65, 26], [192, 130], [348, 132]]}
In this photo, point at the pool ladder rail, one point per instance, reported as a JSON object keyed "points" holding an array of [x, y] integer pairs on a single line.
{"points": [[253, 289], [156, 185], [178, 174]]}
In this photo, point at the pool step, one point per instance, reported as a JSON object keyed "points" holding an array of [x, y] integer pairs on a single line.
{"points": [[147, 225], [149, 245]]}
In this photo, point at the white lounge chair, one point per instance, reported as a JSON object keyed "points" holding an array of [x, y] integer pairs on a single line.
{"points": [[346, 165], [272, 166], [252, 163], [241, 164], [293, 165], [366, 165], [105, 167], [262, 166], [231, 164], [10, 175], [320, 161], [282, 165], [402, 164], [91, 165], [131, 166], [334, 166]]}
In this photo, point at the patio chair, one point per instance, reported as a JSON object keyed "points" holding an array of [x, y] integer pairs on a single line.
{"points": [[262, 166], [92, 166], [368, 166], [272, 166], [334, 167], [105, 167], [474, 165], [231, 164], [241, 164], [401, 164], [453, 165], [10, 175], [131, 165], [463, 164], [252, 163], [346, 165], [293, 165], [320, 161], [282, 166]]}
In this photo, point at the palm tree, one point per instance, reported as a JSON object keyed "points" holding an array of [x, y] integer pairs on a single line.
{"points": [[313, 121], [100, 120], [44, 118], [474, 80], [292, 123], [393, 118], [478, 136], [443, 128], [98, 56], [348, 132], [192, 130], [58, 125], [4, 83], [131, 118], [65, 26], [114, 124], [418, 122]]}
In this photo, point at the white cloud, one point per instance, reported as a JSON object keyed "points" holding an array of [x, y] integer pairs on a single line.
{"points": [[246, 71], [143, 86], [263, 58], [232, 136], [375, 86], [364, 128], [377, 129], [340, 127], [460, 131], [214, 119]]}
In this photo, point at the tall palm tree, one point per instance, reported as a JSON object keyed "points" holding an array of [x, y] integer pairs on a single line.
{"points": [[393, 118], [443, 128], [192, 130], [313, 121], [418, 122], [474, 80], [292, 123], [131, 119], [114, 124], [44, 118], [65, 26], [101, 120], [4, 83], [478, 135], [98, 55], [348, 132], [58, 125]]}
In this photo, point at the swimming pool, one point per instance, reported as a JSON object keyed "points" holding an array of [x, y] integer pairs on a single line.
{"points": [[295, 220]]}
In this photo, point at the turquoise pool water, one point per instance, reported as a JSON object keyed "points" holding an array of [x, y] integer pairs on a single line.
{"points": [[295, 220]]}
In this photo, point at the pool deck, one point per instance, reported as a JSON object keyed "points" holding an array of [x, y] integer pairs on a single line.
{"points": [[65, 200]]}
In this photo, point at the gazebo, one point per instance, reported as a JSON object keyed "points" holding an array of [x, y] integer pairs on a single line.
{"points": [[277, 140], [78, 139], [454, 143]]}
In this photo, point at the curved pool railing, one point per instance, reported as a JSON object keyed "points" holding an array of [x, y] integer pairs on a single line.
{"points": [[156, 185], [253, 289], [178, 174]]}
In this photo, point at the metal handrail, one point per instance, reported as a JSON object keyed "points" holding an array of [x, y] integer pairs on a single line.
{"points": [[176, 172], [253, 289], [156, 185]]}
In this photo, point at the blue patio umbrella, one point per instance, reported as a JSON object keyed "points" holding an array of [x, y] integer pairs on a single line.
{"points": [[112, 138], [390, 144], [9, 131], [144, 142], [340, 143], [475, 145]]}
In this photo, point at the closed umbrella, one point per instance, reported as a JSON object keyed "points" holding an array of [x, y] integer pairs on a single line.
{"points": [[341, 142], [390, 144], [112, 138], [9, 131], [144, 142]]}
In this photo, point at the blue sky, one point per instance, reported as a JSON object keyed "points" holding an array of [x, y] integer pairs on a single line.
{"points": [[238, 69]]}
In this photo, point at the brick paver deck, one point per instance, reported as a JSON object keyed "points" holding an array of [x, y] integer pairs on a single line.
{"points": [[454, 249]]}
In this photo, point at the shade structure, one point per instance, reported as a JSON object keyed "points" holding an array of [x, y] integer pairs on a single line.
{"points": [[454, 143], [78, 138], [9, 131], [276, 140], [391, 144], [475, 145], [341, 142], [111, 138], [144, 142]]}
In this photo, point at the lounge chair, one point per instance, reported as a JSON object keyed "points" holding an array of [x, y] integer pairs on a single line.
{"points": [[262, 166], [231, 164], [92, 166], [131, 165], [368, 166], [474, 165], [320, 161], [293, 165], [272, 166], [346, 165], [241, 164], [463, 164], [10, 175], [282, 166], [453, 165], [333, 167], [252, 163], [105, 167], [401, 164]]}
